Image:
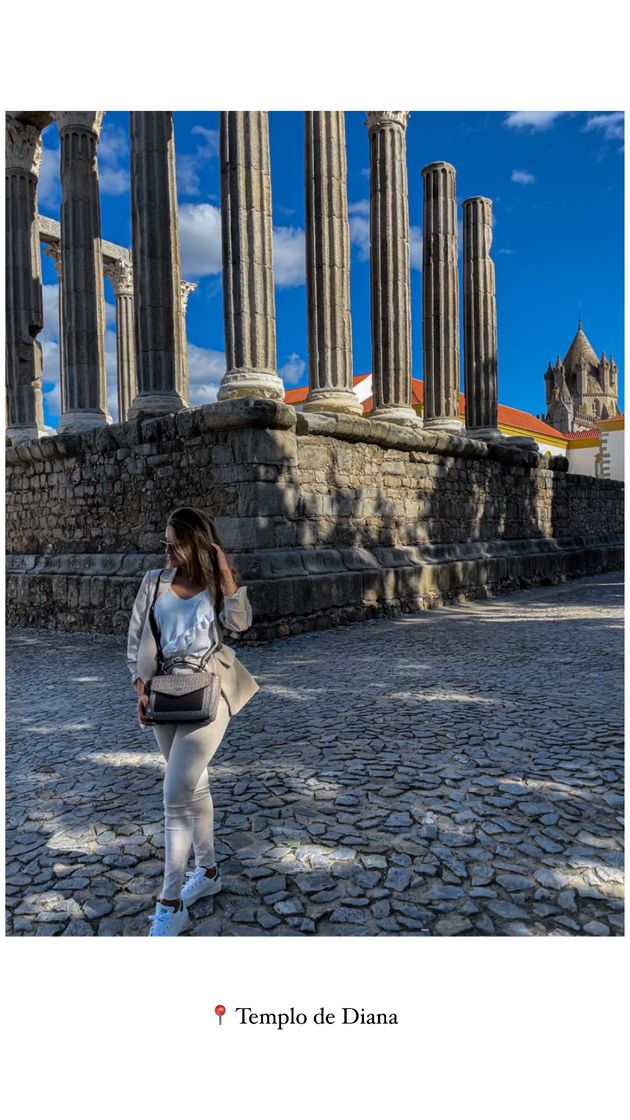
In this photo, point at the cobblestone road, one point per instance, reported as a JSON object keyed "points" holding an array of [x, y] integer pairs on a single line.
{"points": [[455, 772]]}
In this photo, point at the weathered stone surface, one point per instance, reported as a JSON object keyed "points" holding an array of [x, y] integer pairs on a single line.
{"points": [[390, 282], [248, 292], [158, 311], [440, 299], [84, 783], [85, 390], [24, 309], [328, 266], [120, 273], [480, 322], [311, 551]]}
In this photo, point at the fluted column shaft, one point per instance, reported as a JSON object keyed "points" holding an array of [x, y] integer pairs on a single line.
{"points": [[186, 288], [440, 299], [390, 268], [121, 275], [24, 309], [480, 321], [328, 266], [85, 393], [156, 265], [247, 246], [53, 250]]}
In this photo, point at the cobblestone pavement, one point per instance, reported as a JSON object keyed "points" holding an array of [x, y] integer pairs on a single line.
{"points": [[457, 771]]}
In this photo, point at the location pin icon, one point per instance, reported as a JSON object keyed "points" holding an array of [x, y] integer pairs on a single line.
{"points": [[220, 1011]]}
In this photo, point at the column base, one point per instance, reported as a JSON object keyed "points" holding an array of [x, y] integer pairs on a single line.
{"points": [[396, 414], [444, 424], [251, 383], [527, 442], [486, 434], [77, 419], [145, 406], [17, 433], [333, 400]]}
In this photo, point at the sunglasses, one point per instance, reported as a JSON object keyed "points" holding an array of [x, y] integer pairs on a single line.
{"points": [[168, 546]]}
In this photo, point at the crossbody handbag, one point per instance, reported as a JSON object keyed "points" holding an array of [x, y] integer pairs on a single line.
{"points": [[176, 691]]}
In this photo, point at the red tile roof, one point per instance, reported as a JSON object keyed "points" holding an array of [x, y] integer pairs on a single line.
{"points": [[587, 433]]}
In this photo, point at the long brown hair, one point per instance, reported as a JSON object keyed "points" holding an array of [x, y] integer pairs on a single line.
{"points": [[194, 532]]}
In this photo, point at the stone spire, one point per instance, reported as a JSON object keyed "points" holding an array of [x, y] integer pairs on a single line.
{"points": [[156, 266], [247, 244], [440, 299], [328, 266], [25, 413], [390, 268], [85, 394], [121, 275], [480, 322]]}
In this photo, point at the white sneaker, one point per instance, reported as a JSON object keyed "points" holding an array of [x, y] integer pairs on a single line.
{"points": [[198, 885], [168, 922]]}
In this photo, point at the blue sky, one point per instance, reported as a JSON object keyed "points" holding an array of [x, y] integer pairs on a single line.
{"points": [[556, 180]]}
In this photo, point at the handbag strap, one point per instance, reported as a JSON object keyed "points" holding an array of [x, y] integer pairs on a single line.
{"points": [[153, 624]]}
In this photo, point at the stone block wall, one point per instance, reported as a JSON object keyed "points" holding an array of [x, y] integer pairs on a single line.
{"points": [[329, 519]]}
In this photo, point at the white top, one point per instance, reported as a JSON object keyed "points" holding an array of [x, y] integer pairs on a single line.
{"points": [[184, 624]]}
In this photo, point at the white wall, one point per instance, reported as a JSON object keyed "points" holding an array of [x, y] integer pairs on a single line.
{"points": [[582, 459], [612, 447]]}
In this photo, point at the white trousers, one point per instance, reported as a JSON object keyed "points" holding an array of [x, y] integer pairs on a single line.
{"points": [[188, 808]]}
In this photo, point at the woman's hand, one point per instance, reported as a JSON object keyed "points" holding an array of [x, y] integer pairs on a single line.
{"points": [[143, 703], [221, 560], [228, 583]]}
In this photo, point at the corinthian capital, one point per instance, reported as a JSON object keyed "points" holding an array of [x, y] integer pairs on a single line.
{"points": [[186, 287], [24, 148], [385, 118], [53, 250], [87, 122], [121, 275]]}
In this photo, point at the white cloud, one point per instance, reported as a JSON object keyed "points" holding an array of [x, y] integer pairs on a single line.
{"points": [[292, 370], [610, 124], [359, 220], [210, 145], [200, 239], [205, 369], [49, 185], [523, 177], [200, 245], [532, 121], [415, 247], [113, 159], [49, 339], [190, 166], [289, 260]]}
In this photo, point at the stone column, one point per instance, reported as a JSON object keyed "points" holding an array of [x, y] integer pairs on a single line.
{"points": [[328, 266], [186, 288], [440, 299], [121, 275], [480, 322], [247, 243], [24, 309], [82, 266], [390, 269], [52, 249], [156, 266]]}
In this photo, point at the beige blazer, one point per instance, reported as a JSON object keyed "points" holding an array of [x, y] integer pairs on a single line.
{"points": [[238, 686]]}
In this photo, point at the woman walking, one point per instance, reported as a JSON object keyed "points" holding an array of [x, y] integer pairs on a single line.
{"points": [[197, 597]]}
